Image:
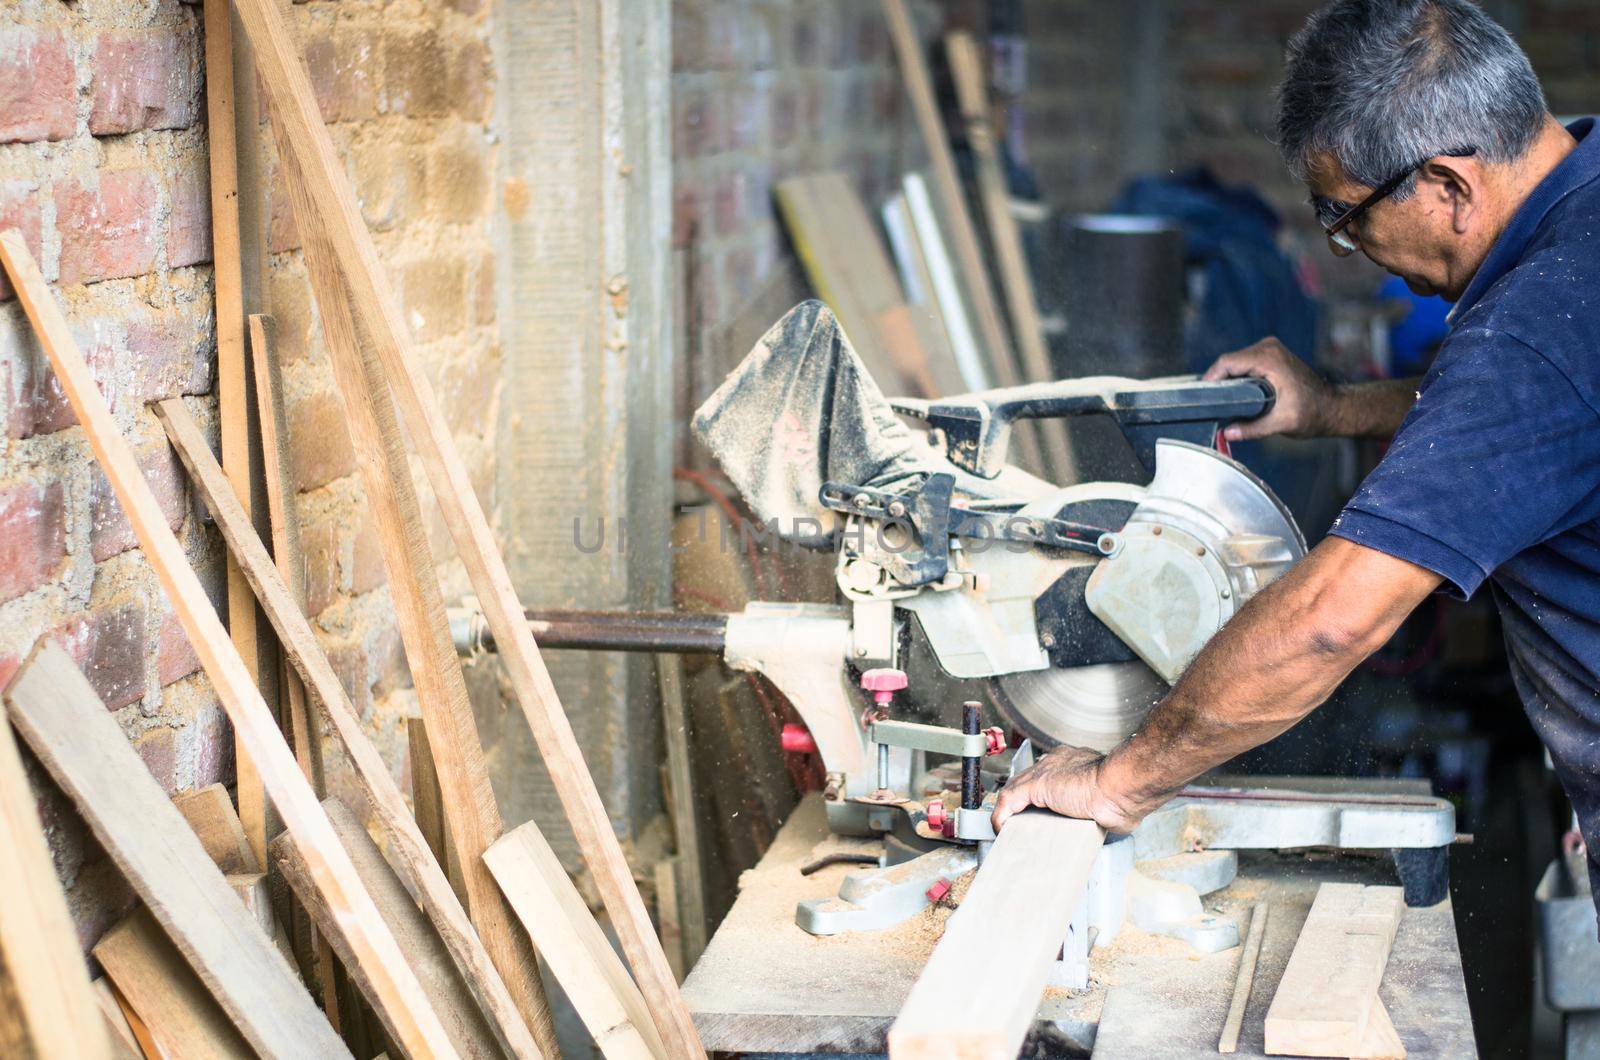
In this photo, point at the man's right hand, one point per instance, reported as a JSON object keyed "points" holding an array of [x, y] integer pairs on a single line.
{"points": [[1304, 405]]}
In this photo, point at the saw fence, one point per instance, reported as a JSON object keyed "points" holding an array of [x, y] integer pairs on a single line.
{"points": [[421, 945]]}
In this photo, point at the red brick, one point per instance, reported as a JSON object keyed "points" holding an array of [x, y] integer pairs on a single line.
{"points": [[367, 570], [698, 124], [144, 79], [21, 208], [110, 534], [469, 81], [349, 662], [170, 354], [213, 737], [33, 527], [189, 229], [727, 204], [387, 661], [39, 405], [110, 648], [107, 224], [435, 293], [341, 75], [175, 657], [159, 749], [319, 551], [10, 662], [687, 219], [38, 85], [319, 443], [484, 292], [417, 75], [748, 109]]}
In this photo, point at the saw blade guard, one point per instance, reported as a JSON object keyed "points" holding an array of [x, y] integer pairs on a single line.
{"points": [[1205, 536]]}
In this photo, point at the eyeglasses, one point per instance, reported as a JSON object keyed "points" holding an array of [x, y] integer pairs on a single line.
{"points": [[1335, 228]]}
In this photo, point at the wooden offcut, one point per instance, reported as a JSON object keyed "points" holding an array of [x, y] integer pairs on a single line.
{"points": [[1244, 980], [171, 1009], [1012, 921], [56, 710], [424, 951], [47, 1007], [1327, 1001], [327, 207], [580, 956], [240, 698], [408, 850], [427, 802], [210, 814]]}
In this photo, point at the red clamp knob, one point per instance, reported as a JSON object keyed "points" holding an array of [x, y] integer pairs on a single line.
{"points": [[996, 738], [883, 684], [940, 888], [798, 739], [936, 815]]}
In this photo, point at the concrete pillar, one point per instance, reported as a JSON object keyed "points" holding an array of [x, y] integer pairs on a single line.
{"points": [[584, 457]]}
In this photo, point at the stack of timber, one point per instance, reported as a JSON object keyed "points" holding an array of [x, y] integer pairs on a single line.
{"points": [[410, 936]]}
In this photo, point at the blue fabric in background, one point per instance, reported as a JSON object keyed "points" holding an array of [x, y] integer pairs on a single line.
{"points": [[1415, 337], [1231, 234]]}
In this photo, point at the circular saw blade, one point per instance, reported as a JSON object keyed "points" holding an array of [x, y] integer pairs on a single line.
{"points": [[1084, 706]]}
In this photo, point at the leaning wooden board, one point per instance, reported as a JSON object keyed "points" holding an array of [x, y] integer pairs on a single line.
{"points": [[56, 710], [172, 1006], [427, 955], [240, 698], [1013, 919], [377, 309], [408, 851], [50, 1008]]}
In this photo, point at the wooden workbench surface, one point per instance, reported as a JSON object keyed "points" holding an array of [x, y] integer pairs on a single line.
{"points": [[763, 985]]}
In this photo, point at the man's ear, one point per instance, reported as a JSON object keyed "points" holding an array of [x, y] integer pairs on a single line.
{"points": [[1458, 183]]}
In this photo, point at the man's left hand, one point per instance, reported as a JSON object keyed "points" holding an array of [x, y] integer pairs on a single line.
{"points": [[1066, 781]]}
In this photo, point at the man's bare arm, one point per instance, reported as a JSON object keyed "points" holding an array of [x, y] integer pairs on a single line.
{"points": [[1274, 663], [1309, 406]]}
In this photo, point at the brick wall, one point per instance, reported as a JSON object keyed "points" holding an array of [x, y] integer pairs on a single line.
{"points": [[104, 168], [406, 90], [763, 90]]}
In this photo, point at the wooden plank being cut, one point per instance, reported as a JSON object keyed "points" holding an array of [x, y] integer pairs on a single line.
{"points": [[469, 800], [1012, 921], [327, 206], [966, 70], [210, 814], [238, 694], [426, 953], [839, 245], [1327, 1001], [232, 379], [408, 850], [47, 1007], [181, 1019], [573, 945], [57, 712]]}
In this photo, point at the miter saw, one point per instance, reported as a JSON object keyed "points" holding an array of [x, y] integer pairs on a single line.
{"points": [[1075, 607]]}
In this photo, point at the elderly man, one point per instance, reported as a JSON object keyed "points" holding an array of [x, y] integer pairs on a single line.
{"points": [[1422, 133]]}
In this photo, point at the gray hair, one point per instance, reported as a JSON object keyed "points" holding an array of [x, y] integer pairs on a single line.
{"points": [[1380, 85]]}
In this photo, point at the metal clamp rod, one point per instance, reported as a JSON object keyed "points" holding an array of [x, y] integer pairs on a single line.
{"points": [[651, 631], [934, 738]]}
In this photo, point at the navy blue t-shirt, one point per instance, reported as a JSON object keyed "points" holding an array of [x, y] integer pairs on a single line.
{"points": [[1495, 473]]}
